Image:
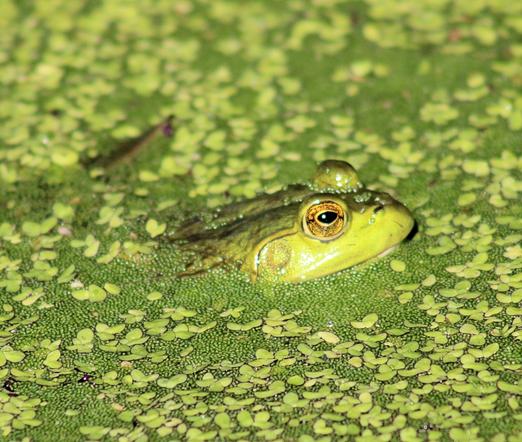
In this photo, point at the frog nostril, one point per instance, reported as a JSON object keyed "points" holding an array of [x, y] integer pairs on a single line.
{"points": [[378, 209], [384, 199]]}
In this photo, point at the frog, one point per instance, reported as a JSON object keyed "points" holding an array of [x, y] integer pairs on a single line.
{"points": [[302, 232]]}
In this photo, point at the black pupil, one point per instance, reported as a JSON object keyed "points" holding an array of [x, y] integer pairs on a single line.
{"points": [[327, 217]]}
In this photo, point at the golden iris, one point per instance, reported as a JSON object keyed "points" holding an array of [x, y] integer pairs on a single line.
{"points": [[325, 220]]}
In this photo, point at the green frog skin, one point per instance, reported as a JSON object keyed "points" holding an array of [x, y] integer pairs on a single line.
{"points": [[303, 232]]}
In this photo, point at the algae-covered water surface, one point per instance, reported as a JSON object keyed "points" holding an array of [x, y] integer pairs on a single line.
{"points": [[100, 340]]}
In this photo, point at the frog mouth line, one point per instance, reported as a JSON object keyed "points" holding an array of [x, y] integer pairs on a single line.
{"points": [[414, 230], [388, 251]]}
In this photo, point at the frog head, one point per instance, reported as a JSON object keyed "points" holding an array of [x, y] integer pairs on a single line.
{"points": [[339, 226]]}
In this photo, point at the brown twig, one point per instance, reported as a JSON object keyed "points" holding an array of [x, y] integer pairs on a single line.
{"points": [[127, 150]]}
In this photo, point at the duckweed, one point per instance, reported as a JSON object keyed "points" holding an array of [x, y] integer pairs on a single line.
{"points": [[98, 339]]}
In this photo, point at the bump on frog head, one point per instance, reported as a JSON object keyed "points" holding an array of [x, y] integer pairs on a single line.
{"points": [[336, 176]]}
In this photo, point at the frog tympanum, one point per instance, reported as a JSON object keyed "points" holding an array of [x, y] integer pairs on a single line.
{"points": [[302, 232]]}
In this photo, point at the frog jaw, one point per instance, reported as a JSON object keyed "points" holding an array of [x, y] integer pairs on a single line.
{"points": [[387, 252]]}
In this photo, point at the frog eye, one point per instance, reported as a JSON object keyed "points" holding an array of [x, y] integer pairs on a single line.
{"points": [[324, 220]]}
